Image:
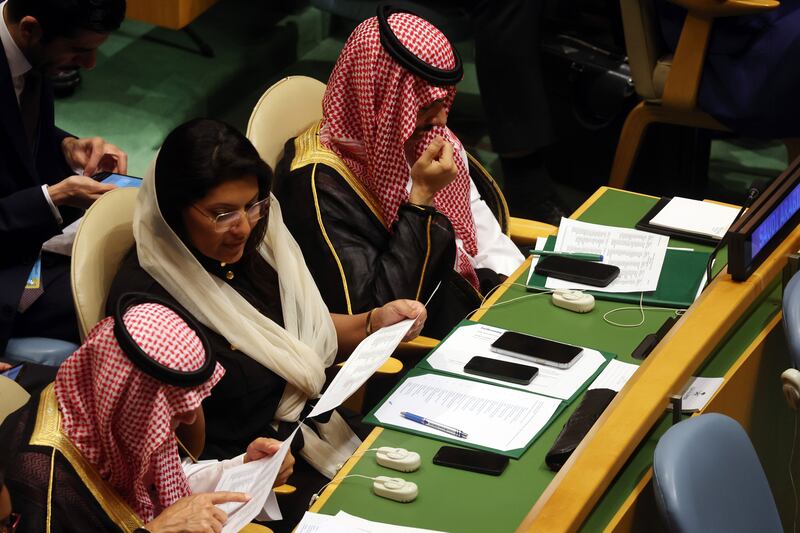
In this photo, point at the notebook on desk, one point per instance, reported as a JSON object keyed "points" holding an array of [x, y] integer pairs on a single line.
{"points": [[678, 283], [688, 220]]}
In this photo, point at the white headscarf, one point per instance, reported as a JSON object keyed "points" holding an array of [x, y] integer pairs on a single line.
{"points": [[299, 352]]}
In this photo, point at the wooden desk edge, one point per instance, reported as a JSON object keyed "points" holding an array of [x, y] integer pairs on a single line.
{"points": [[348, 466], [621, 515], [576, 489]]}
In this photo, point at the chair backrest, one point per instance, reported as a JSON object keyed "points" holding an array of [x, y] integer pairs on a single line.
{"points": [[791, 318], [643, 44], [284, 111], [707, 477], [104, 238], [12, 397]]}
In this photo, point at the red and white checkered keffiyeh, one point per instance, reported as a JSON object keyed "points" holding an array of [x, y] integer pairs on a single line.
{"points": [[120, 418], [370, 111]]}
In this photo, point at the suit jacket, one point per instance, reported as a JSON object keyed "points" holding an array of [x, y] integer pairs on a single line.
{"points": [[26, 220]]}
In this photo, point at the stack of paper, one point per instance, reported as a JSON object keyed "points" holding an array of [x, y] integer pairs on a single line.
{"points": [[693, 216]]}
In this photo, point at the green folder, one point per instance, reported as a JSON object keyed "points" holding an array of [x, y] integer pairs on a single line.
{"points": [[516, 454], [424, 368], [678, 282]]}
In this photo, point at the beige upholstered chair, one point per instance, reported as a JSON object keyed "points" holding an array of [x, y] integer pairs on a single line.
{"points": [[104, 237], [12, 397], [668, 83]]}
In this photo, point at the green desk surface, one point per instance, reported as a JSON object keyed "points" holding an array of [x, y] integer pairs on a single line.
{"points": [[458, 501]]}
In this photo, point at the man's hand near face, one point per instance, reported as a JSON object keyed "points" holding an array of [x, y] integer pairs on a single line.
{"points": [[434, 170]]}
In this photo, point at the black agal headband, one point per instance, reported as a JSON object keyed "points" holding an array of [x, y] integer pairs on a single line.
{"points": [[147, 364], [408, 59]]}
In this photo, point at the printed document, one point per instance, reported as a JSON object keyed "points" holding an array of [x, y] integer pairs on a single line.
{"points": [[638, 254], [492, 417], [473, 340], [347, 523], [255, 478], [368, 357], [694, 216]]}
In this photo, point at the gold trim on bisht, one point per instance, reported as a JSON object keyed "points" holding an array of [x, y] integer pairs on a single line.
{"points": [[308, 150], [47, 432]]}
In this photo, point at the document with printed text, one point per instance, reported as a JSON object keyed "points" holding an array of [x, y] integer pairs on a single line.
{"points": [[255, 478], [638, 254], [368, 357], [492, 417]]}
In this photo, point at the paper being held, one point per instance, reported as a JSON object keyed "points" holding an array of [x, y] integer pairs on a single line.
{"points": [[367, 358], [255, 478]]}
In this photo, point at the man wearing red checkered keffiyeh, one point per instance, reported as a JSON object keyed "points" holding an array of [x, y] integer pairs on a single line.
{"points": [[120, 418], [113, 425], [390, 184]]}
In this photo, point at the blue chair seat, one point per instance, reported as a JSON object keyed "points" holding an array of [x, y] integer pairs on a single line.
{"points": [[707, 477], [39, 350]]}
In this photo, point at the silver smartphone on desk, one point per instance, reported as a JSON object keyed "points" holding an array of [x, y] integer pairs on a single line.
{"points": [[537, 350]]}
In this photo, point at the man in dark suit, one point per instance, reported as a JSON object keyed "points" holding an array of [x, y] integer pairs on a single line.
{"points": [[43, 170]]}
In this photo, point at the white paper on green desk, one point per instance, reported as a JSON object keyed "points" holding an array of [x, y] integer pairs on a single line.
{"points": [[475, 340], [698, 392], [638, 254], [614, 376], [367, 358], [492, 417], [347, 523], [703, 218], [255, 478]]}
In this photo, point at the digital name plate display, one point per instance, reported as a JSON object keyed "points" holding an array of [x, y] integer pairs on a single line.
{"points": [[773, 216]]}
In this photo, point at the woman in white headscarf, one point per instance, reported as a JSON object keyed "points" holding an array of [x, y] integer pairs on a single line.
{"points": [[210, 237]]}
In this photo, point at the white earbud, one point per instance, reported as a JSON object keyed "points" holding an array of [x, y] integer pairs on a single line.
{"points": [[791, 387]]}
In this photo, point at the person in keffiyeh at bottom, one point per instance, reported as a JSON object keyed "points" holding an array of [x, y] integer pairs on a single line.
{"points": [[97, 450], [379, 194]]}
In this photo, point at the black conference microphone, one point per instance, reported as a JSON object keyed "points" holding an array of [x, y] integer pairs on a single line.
{"points": [[755, 190]]}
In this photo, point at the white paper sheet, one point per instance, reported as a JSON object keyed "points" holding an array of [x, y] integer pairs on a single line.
{"points": [[368, 357], [475, 340], [255, 478], [638, 254], [698, 392], [62, 243], [614, 375], [493, 417], [703, 218], [347, 523]]}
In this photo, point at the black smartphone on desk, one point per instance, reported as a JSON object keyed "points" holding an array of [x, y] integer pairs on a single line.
{"points": [[577, 270], [536, 349], [472, 460], [502, 370]]}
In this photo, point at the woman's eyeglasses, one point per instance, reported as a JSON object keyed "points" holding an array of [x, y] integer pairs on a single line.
{"points": [[226, 221]]}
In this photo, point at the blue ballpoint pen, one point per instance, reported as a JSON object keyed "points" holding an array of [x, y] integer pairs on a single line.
{"points": [[435, 425]]}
